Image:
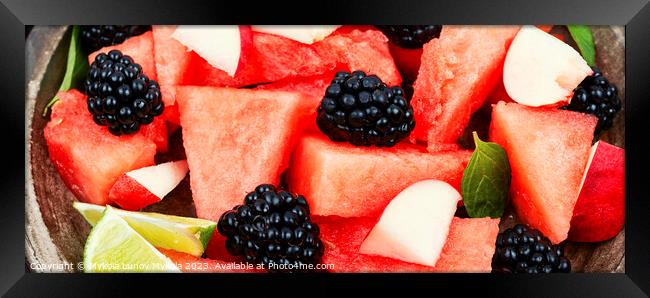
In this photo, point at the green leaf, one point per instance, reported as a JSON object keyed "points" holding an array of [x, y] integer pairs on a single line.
{"points": [[486, 180], [585, 41], [76, 66]]}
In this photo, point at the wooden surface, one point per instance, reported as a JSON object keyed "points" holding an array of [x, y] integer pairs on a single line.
{"points": [[55, 233]]}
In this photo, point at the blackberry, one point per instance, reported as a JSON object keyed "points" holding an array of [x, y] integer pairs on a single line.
{"points": [[362, 110], [272, 227], [410, 37], [120, 95], [96, 37], [597, 96], [525, 250]]}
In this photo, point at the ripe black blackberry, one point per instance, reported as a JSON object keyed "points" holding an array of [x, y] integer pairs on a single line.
{"points": [[526, 250], [120, 95], [96, 37], [362, 110], [410, 37], [272, 227], [597, 96]]}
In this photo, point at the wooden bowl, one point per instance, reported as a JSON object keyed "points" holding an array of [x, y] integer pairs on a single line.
{"points": [[55, 232]]}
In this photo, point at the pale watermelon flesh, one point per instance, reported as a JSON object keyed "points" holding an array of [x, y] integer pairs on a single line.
{"points": [[349, 181], [548, 150], [87, 156], [236, 139], [458, 71], [469, 246]]}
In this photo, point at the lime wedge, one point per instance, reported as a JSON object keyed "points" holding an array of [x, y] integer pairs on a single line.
{"points": [[183, 234], [113, 246]]}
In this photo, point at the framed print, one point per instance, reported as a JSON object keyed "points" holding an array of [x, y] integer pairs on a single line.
{"points": [[195, 143]]}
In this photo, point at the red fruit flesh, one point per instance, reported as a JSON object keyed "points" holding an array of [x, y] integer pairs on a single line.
{"points": [[171, 59], [246, 41], [189, 263], [270, 58], [407, 61], [172, 117], [216, 249], [312, 87], [280, 58], [140, 48], [131, 195], [548, 151], [236, 139], [469, 246], [157, 132], [599, 213], [365, 50], [545, 28], [318, 166], [458, 71], [200, 73], [275, 58], [87, 156]]}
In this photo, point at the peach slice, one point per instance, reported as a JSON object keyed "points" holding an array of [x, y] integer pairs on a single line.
{"points": [[221, 46], [541, 70], [415, 224]]}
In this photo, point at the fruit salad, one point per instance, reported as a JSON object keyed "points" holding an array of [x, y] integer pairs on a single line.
{"points": [[337, 148]]}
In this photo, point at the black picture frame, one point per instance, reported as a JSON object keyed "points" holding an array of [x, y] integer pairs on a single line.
{"points": [[16, 14]]}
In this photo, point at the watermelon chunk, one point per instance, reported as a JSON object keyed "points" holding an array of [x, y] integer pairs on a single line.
{"points": [[365, 50], [313, 87], [548, 150], [140, 48], [469, 246], [87, 156], [171, 59], [349, 181], [189, 263], [457, 73], [280, 57], [275, 58], [236, 139]]}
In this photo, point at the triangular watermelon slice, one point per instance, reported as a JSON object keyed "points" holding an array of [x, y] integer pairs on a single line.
{"points": [[236, 139], [88, 157], [457, 73], [548, 150], [469, 246]]}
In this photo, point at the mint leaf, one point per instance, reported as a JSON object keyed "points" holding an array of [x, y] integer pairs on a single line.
{"points": [[585, 41], [76, 66], [486, 180]]}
